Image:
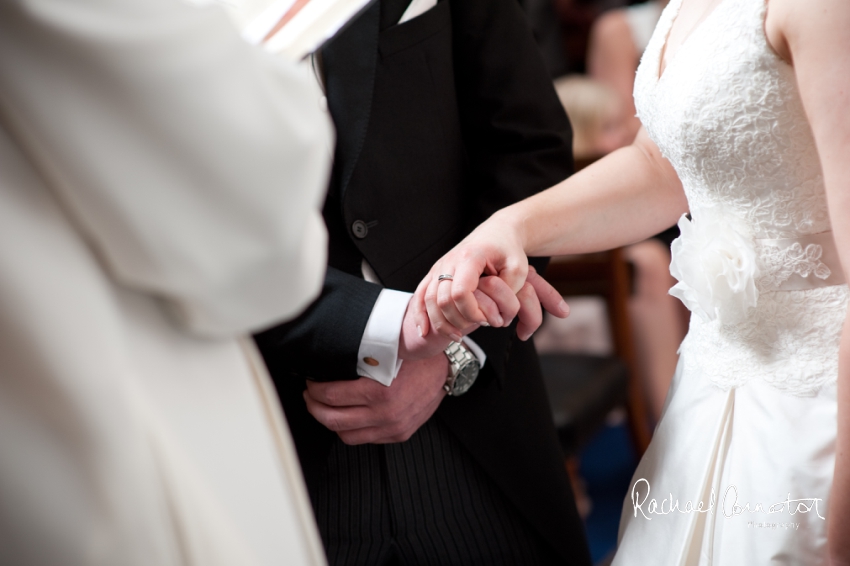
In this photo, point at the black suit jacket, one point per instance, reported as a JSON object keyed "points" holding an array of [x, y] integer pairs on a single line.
{"points": [[441, 121]]}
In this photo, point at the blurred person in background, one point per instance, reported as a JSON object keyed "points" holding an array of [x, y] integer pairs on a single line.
{"points": [[597, 115], [600, 126], [160, 187], [617, 41], [576, 18]]}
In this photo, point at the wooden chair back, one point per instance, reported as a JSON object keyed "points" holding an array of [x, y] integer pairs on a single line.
{"points": [[608, 275]]}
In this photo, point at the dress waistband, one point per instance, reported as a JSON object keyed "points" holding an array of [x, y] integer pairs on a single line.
{"points": [[722, 269], [797, 264]]}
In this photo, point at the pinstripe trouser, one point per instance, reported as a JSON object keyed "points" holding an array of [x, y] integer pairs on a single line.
{"points": [[422, 502]]}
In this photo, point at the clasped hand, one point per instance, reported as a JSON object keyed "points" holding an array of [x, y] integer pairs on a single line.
{"points": [[491, 285], [365, 411]]}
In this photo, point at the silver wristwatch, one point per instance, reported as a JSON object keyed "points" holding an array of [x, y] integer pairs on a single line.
{"points": [[463, 369]]}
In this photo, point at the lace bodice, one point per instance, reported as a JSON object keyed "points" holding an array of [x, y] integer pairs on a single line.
{"points": [[727, 114]]}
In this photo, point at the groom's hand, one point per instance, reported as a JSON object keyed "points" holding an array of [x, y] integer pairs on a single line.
{"points": [[365, 412]]}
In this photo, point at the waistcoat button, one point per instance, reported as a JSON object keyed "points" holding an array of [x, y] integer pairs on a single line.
{"points": [[360, 229]]}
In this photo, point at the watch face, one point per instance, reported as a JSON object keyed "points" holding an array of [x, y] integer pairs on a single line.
{"points": [[465, 378]]}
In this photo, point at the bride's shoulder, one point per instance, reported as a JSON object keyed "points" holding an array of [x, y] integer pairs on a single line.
{"points": [[795, 25]]}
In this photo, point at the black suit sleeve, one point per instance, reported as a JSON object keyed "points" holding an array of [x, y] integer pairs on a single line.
{"points": [[517, 136], [322, 343]]}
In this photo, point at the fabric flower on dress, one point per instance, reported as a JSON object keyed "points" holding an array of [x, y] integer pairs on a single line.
{"points": [[714, 261]]}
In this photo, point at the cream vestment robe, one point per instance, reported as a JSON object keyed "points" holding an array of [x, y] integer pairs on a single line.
{"points": [[160, 186]]}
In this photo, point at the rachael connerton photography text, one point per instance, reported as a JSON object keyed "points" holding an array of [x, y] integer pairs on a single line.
{"points": [[730, 505]]}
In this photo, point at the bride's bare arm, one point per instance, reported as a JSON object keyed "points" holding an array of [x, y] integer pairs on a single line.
{"points": [[814, 36], [625, 197]]}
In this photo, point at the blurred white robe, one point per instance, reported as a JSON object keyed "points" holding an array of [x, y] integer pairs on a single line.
{"points": [[160, 187]]}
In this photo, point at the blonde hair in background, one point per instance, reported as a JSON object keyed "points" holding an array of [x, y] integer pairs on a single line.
{"points": [[590, 105]]}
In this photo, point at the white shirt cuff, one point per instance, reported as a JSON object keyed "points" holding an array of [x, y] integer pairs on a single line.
{"points": [[378, 354], [417, 8], [380, 339]]}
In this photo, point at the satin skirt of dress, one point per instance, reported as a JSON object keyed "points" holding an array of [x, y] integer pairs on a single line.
{"points": [[760, 461]]}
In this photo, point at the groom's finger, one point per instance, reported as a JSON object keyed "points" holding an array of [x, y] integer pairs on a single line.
{"points": [[417, 303], [549, 297], [341, 419], [345, 393], [530, 313], [392, 432]]}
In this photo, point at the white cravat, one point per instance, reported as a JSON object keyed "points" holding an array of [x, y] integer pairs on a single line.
{"points": [[417, 8]]}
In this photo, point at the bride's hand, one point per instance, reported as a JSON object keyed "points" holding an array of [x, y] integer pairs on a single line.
{"points": [[495, 249]]}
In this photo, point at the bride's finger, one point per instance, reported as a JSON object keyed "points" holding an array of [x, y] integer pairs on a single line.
{"points": [[515, 272], [464, 282], [549, 297], [490, 309], [502, 295], [439, 323], [449, 308]]}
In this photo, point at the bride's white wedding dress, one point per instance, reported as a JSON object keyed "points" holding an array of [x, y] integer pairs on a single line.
{"points": [[748, 430]]}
